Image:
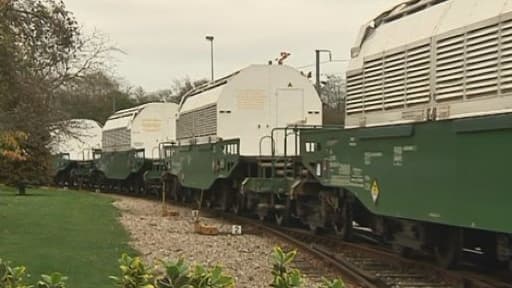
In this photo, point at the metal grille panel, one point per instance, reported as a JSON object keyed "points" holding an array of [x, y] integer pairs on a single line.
{"points": [[452, 68], [116, 139], [197, 123], [391, 82]]}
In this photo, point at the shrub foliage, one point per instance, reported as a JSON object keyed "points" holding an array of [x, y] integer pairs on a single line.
{"points": [[134, 273], [16, 277]]}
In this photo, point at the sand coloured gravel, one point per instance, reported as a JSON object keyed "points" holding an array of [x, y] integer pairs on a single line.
{"points": [[246, 257]]}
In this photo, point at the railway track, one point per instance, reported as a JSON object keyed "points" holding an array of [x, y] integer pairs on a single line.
{"points": [[365, 266]]}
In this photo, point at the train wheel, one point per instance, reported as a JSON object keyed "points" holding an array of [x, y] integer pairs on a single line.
{"points": [[184, 196], [281, 217], [144, 189], [173, 186], [226, 197], [174, 195], [262, 213], [447, 250], [403, 251], [342, 221], [239, 204], [135, 188], [236, 208], [313, 228], [209, 199]]}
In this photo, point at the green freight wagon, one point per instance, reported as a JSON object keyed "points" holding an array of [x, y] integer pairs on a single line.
{"points": [[229, 151], [130, 145], [423, 159]]}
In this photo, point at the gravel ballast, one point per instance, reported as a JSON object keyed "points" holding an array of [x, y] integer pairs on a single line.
{"points": [[246, 257]]}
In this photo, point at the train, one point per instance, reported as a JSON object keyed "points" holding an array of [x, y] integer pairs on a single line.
{"points": [[421, 160]]}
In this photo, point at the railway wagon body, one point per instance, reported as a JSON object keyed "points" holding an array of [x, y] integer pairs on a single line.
{"points": [[74, 151], [228, 135], [425, 157], [130, 144]]}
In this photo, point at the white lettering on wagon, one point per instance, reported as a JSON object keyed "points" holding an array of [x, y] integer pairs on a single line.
{"points": [[356, 178], [368, 156], [399, 151]]}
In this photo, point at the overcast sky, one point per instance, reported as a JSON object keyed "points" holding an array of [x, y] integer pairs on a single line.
{"points": [[165, 39]]}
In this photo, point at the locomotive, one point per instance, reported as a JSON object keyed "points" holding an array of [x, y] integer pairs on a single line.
{"points": [[421, 160]]}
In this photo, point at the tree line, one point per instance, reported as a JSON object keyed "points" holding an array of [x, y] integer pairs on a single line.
{"points": [[51, 72], [97, 95]]}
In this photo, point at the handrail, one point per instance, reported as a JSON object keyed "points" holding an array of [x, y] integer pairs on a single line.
{"points": [[91, 151], [272, 143], [161, 146], [295, 131], [153, 151]]}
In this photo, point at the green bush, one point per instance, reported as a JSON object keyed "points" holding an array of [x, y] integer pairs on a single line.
{"points": [[176, 275], [14, 277], [336, 283], [55, 280], [134, 273], [212, 277], [287, 277], [284, 275], [179, 275]]}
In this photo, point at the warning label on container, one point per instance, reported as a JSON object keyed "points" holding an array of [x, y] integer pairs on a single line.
{"points": [[375, 191]]}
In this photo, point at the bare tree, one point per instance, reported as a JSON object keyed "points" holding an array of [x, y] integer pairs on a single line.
{"points": [[333, 93], [42, 49], [333, 90], [180, 87], [94, 96]]}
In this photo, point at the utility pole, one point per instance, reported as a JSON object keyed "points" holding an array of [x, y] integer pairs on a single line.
{"points": [[317, 73], [317, 53], [210, 38]]}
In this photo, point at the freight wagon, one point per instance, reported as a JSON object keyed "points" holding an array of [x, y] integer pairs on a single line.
{"points": [[424, 157]]}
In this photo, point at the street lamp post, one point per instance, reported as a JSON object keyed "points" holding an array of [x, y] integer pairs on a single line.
{"points": [[210, 38]]}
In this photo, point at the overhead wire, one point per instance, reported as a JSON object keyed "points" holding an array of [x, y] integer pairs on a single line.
{"points": [[322, 62]]}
